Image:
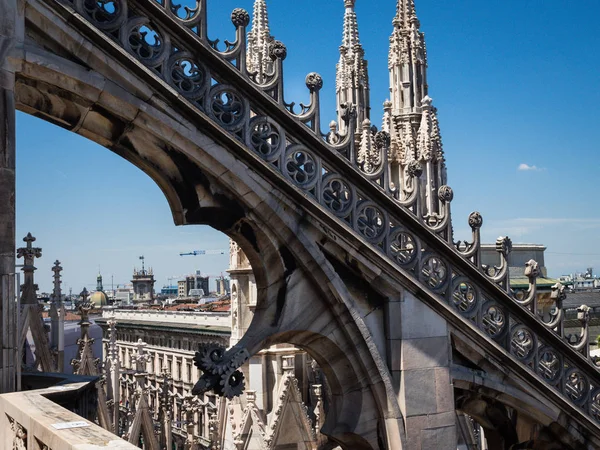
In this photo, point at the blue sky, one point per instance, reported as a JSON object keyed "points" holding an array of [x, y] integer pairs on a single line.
{"points": [[516, 86]]}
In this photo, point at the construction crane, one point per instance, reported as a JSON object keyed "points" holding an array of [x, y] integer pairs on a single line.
{"points": [[204, 252], [175, 277]]}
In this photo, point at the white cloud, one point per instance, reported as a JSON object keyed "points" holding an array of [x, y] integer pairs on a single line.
{"points": [[526, 167]]}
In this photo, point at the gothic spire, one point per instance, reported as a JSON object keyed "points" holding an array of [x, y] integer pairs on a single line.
{"points": [[259, 61], [57, 324], [350, 38], [410, 116], [407, 60], [352, 81]]}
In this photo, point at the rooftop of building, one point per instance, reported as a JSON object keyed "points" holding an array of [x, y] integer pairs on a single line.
{"points": [[578, 298], [516, 247], [69, 316]]}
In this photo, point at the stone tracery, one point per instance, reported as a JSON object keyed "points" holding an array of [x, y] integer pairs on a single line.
{"points": [[415, 175], [414, 178]]}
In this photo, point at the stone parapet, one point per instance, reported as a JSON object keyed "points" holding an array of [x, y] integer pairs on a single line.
{"points": [[216, 319], [29, 420]]}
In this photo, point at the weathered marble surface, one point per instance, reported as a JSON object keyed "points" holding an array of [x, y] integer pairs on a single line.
{"points": [[322, 285], [35, 415]]}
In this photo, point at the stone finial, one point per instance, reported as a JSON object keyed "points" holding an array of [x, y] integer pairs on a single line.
{"points": [[278, 50], [428, 139], [84, 294], [57, 269], [475, 220], [504, 245], [240, 17], [445, 194], [29, 253], [405, 14], [532, 269], [314, 82], [251, 397], [288, 364], [57, 293], [350, 37], [558, 294], [583, 315], [370, 150]]}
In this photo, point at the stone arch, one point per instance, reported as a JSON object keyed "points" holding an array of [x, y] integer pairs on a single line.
{"points": [[206, 184], [504, 411], [361, 399], [342, 380], [194, 195]]}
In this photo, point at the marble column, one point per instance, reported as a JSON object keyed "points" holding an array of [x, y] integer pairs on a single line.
{"points": [[9, 32]]}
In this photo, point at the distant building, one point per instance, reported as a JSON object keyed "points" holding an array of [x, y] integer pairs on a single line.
{"points": [[143, 285], [286, 393], [99, 298], [581, 281], [124, 295], [196, 293], [222, 285], [517, 259], [169, 291], [181, 289], [193, 283]]}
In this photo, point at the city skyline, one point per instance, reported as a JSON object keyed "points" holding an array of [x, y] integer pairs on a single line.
{"points": [[519, 145]]}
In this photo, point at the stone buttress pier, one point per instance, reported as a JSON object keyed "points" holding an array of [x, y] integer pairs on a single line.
{"points": [[11, 38], [419, 348]]}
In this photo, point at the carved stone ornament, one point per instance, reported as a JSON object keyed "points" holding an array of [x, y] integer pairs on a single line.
{"points": [[278, 50], [504, 245], [414, 169], [532, 269], [446, 194], [475, 220], [220, 372], [240, 17], [19, 441], [314, 82]]}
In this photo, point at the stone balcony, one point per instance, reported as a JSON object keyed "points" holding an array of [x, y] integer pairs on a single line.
{"points": [[34, 420]]}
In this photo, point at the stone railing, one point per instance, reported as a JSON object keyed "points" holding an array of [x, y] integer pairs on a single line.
{"points": [[31, 421]]}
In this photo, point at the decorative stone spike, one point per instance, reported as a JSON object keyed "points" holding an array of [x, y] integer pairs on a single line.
{"points": [[85, 363], [31, 313], [57, 316], [352, 78], [259, 61]]}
